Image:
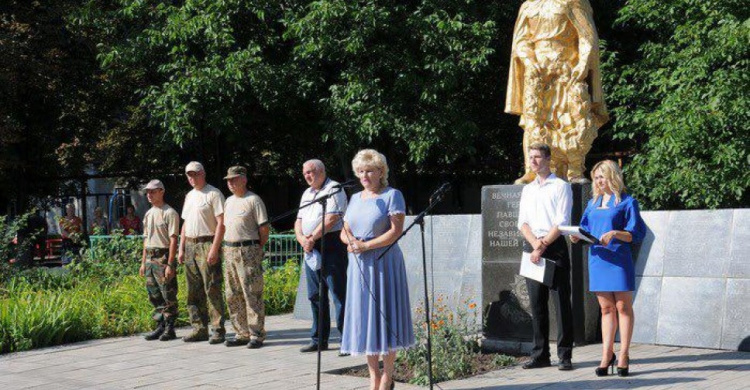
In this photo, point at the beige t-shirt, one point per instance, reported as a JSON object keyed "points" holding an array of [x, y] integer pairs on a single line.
{"points": [[159, 224], [200, 211], [243, 217]]}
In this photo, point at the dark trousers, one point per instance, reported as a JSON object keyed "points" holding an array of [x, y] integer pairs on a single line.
{"points": [[539, 298], [333, 271]]}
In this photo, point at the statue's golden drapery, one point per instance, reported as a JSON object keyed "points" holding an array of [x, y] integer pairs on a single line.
{"points": [[555, 84]]}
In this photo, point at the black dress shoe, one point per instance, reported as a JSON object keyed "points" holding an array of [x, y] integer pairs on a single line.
{"points": [[313, 347], [236, 342], [565, 365], [255, 344], [535, 363]]}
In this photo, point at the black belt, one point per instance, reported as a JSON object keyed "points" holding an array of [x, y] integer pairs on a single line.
{"points": [[198, 240], [235, 244], [157, 250]]}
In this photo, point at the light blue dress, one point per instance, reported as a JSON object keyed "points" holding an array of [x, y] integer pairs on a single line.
{"points": [[611, 267], [378, 314]]}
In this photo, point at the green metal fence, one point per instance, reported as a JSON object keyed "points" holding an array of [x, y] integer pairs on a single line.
{"points": [[279, 249]]}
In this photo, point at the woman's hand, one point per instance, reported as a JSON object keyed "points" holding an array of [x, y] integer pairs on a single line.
{"points": [[357, 246], [607, 237]]}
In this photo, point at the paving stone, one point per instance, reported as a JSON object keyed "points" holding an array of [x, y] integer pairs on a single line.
{"points": [[284, 368]]}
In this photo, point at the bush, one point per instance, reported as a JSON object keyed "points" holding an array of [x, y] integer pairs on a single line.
{"points": [[100, 295], [456, 352], [280, 289]]}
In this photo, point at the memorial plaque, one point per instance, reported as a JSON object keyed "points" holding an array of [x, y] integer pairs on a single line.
{"points": [[501, 240], [504, 295]]}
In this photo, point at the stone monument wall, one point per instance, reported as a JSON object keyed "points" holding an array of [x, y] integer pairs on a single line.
{"points": [[692, 276], [693, 279]]}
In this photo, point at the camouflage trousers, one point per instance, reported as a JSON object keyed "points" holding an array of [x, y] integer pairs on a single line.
{"points": [[243, 276], [161, 292], [205, 300]]}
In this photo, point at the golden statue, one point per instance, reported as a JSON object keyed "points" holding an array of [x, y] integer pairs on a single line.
{"points": [[555, 84]]}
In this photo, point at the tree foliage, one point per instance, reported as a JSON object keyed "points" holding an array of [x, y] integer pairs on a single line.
{"points": [[415, 77], [142, 86], [682, 99]]}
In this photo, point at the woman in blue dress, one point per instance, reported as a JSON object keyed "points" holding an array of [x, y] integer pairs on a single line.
{"points": [[377, 318], [613, 217]]}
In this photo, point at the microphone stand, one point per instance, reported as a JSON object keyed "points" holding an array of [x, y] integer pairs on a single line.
{"points": [[436, 197], [323, 200]]}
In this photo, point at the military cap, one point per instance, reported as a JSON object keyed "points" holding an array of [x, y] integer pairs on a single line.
{"points": [[235, 171]]}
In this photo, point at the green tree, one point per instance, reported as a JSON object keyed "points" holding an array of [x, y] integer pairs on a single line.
{"points": [[422, 78], [678, 87], [47, 82], [286, 80], [214, 77]]}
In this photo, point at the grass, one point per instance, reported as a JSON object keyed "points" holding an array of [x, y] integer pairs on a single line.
{"points": [[100, 296]]}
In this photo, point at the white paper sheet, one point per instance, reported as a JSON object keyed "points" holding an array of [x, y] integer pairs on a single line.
{"points": [[531, 270], [575, 231]]}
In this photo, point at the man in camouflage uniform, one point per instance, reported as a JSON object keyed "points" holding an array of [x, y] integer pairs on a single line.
{"points": [[243, 257], [161, 225], [200, 243]]}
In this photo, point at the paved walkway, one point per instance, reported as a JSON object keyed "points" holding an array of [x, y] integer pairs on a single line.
{"points": [[131, 362]]}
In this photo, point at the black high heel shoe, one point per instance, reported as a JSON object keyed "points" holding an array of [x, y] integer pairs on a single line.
{"points": [[603, 371], [624, 371]]}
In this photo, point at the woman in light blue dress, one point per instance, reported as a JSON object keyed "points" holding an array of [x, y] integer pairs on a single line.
{"points": [[613, 217], [378, 315]]}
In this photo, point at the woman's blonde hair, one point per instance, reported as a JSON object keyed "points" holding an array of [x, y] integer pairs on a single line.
{"points": [[371, 158], [613, 175]]}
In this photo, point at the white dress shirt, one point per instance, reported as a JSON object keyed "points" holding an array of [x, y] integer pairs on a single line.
{"points": [[545, 205]]}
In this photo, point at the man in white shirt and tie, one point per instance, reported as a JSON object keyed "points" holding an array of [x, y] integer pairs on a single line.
{"points": [[546, 203]]}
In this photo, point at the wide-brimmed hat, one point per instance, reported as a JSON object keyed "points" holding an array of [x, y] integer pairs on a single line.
{"points": [[235, 171]]}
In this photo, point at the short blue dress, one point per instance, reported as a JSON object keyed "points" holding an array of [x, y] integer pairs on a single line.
{"points": [[378, 314], [611, 267]]}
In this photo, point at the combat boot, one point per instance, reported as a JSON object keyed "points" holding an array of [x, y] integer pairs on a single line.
{"points": [[156, 332], [168, 331], [196, 335]]}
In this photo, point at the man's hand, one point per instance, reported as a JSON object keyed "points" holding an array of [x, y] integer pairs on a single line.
{"points": [[536, 256], [142, 270], [308, 243], [213, 257], [181, 257], [169, 273], [539, 245]]}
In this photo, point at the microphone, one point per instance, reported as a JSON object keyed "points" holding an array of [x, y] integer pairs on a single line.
{"points": [[347, 184], [440, 192]]}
